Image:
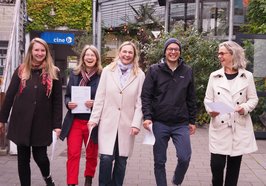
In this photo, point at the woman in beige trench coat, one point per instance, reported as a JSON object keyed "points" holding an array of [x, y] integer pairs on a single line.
{"points": [[230, 135], [117, 111]]}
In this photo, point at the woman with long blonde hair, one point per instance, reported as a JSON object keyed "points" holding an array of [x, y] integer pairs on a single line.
{"points": [[35, 96], [117, 111]]}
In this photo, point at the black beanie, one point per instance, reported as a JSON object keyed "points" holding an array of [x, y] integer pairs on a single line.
{"points": [[170, 41]]}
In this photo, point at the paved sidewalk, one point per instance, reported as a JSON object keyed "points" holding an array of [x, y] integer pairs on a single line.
{"points": [[140, 166]]}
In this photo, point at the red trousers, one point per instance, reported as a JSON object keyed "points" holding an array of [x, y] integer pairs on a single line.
{"points": [[79, 133]]}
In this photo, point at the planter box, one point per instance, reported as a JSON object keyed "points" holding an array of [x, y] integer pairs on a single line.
{"points": [[260, 135]]}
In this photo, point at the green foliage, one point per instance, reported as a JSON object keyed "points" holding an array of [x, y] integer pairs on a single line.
{"points": [[260, 87], [74, 14], [256, 16], [199, 52]]}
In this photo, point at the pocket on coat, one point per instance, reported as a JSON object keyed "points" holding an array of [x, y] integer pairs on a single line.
{"points": [[221, 121]]}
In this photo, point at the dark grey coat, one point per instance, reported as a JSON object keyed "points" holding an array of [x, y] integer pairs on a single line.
{"points": [[34, 115]]}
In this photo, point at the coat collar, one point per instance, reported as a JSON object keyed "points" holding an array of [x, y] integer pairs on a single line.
{"points": [[115, 72], [241, 78]]}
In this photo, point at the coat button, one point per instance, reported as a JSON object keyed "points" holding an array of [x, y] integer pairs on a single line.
{"points": [[119, 109], [35, 86], [237, 103], [34, 102], [218, 93], [222, 121], [240, 93], [121, 92]]}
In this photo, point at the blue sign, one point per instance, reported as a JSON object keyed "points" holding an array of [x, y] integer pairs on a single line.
{"points": [[58, 38]]}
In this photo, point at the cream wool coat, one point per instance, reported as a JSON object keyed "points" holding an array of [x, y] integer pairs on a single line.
{"points": [[232, 134], [116, 110]]}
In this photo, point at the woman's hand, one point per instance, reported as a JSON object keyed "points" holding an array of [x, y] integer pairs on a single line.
{"points": [[2, 128], [214, 114], [72, 105], [91, 125], [240, 110], [89, 103], [134, 131]]}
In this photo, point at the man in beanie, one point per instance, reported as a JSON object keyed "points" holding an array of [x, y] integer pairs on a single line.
{"points": [[169, 105]]}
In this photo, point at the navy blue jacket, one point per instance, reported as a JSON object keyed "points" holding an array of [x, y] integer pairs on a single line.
{"points": [[74, 80], [169, 96]]}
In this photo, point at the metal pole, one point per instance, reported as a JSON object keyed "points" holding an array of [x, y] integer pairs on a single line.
{"points": [[197, 15], [99, 30], [94, 11], [231, 19], [166, 16]]}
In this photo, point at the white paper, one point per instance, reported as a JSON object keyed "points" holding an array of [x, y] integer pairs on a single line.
{"points": [[53, 145], [149, 138], [89, 137], [220, 107], [79, 95]]}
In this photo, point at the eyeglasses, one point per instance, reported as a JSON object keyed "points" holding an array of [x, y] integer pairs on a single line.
{"points": [[172, 49], [222, 53]]}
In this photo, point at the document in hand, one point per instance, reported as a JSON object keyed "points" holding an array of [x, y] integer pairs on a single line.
{"points": [[149, 138], [79, 95], [89, 137], [220, 107], [53, 145]]}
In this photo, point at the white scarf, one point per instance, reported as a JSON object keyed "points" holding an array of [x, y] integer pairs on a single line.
{"points": [[124, 72]]}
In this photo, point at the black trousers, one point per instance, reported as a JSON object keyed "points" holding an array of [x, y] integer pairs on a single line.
{"points": [[40, 157], [218, 163]]}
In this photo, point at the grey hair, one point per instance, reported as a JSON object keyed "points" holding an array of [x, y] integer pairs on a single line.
{"points": [[238, 53]]}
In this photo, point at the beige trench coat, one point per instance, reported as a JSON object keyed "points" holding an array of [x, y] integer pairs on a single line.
{"points": [[232, 134], [116, 110]]}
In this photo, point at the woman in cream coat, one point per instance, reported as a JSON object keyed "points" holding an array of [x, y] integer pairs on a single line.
{"points": [[230, 135], [117, 111]]}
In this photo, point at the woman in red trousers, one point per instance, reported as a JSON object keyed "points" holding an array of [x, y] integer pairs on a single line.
{"points": [[87, 73]]}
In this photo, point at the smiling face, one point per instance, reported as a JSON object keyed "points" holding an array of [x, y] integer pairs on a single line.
{"points": [[172, 53], [89, 59], [126, 54], [225, 57], [38, 54]]}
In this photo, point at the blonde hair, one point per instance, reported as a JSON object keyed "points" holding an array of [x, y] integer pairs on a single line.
{"points": [[50, 68], [82, 66], [238, 54], [135, 61]]}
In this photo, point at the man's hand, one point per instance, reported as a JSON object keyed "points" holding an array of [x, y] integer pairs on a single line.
{"points": [[192, 129], [146, 124], [58, 132]]}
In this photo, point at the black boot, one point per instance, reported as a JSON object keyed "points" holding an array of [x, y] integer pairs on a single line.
{"points": [[71, 184], [88, 181], [49, 181]]}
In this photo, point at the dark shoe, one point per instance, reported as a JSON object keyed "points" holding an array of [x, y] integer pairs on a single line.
{"points": [[49, 181], [71, 184], [88, 181]]}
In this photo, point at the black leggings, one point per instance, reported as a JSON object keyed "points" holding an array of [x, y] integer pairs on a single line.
{"points": [[218, 162], [40, 157]]}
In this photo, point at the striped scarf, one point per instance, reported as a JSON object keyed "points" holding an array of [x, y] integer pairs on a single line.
{"points": [[86, 76], [46, 79]]}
